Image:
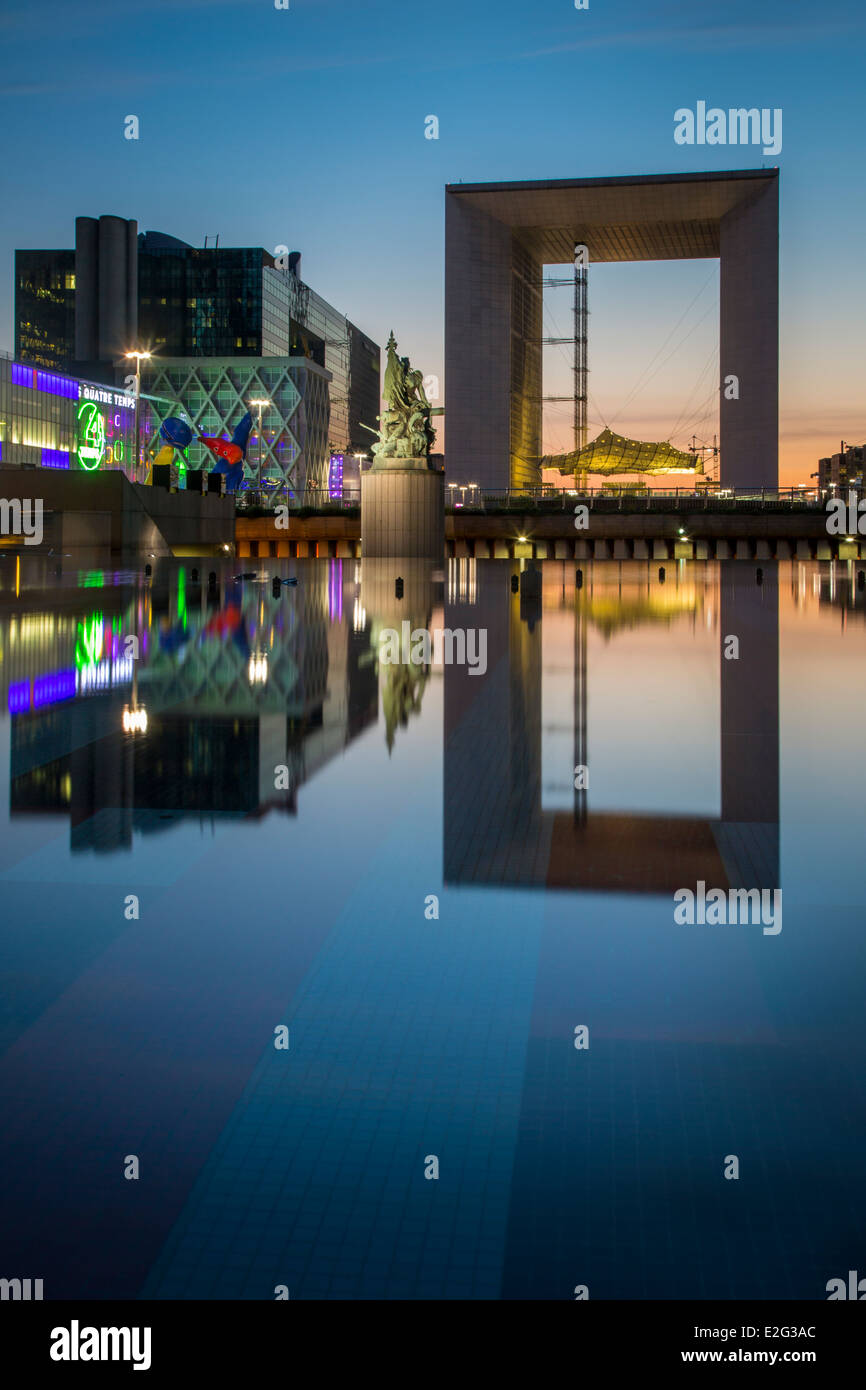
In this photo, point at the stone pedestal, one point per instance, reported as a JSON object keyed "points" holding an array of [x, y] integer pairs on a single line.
{"points": [[403, 511]]}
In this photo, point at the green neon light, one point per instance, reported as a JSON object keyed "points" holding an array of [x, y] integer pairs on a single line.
{"points": [[88, 641], [181, 596], [91, 436]]}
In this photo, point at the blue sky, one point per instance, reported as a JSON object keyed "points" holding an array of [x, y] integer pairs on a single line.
{"points": [[306, 127]]}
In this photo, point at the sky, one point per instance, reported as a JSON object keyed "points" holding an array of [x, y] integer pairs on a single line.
{"points": [[306, 127]]}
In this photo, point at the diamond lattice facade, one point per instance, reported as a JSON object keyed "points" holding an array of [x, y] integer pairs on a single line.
{"points": [[213, 393]]}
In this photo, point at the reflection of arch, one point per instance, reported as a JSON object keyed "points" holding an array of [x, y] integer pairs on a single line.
{"points": [[493, 759]]}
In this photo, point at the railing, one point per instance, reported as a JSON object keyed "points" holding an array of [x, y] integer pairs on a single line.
{"points": [[543, 499], [547, 499], [305, 499]]}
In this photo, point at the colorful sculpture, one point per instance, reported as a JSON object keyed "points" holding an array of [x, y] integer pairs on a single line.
{"points": [[230, 454]]}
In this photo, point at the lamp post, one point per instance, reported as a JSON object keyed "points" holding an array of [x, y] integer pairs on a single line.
{"points": [[260, 403], [138, 360], [360, 460]]}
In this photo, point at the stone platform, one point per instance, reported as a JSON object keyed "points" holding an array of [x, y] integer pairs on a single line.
{"points": [[403, 511]]}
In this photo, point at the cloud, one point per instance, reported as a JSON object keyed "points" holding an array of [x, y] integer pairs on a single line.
{"points": [[166, 77], [709, 37]]}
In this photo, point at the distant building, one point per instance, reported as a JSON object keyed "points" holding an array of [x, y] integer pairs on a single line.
{"points": [[45, 308], [844, 469], [80, 311]]}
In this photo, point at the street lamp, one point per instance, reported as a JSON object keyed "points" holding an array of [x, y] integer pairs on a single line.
{"points": [[359, 458], [138, 360], [260, 402]]}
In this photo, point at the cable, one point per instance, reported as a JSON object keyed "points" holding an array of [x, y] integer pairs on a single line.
{"points": [[640, 383]]}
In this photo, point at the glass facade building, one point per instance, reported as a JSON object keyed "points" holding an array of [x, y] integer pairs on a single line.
{"points": [[45, 308], [200, 303], [49, 420], [203, 303], [214, 393]]}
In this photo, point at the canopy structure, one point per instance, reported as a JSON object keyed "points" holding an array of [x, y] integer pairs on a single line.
{"points": [[611, 453]]}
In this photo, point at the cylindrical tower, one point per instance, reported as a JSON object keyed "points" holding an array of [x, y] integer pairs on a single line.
{"points": [[86, 289]]}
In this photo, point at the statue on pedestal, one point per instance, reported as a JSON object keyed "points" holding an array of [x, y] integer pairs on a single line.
{"points": [[405, 431]]}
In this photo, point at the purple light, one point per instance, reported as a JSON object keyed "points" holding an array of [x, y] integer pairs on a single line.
{"points": [[19, 697], [335, 591], [335, 478], [55, 458], [22, 376], [49, 382], [57, 385], [50, 690]]}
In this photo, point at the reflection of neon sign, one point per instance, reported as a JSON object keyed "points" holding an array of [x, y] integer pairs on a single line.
{"points": [[91, 436], [88, 641], [46, 690]]}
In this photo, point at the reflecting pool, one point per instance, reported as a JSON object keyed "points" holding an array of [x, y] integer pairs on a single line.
{"points": [[360, 977]]}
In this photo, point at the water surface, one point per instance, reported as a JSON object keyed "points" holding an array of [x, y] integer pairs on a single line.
{"points": [[290, 822]]}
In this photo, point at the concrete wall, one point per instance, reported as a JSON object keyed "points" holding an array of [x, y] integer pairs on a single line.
{"points": [[478, 314], [106, 287], [130, 521], [749, 341]]}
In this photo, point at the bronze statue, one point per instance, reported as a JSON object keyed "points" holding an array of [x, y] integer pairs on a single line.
{"points": [[405, 431]]}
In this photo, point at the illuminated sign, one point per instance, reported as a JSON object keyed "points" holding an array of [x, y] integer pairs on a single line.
{"points": [[335, 478], [91, 436], [105, 397]]}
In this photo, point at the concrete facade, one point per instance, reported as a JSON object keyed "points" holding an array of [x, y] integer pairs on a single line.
{"points": [[402, 513], [89, 512], [499, 237]]}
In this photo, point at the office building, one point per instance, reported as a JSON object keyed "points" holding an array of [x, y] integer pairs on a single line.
{"points": [[843, 470], [80, 311], [45, 308], [213, 394]]}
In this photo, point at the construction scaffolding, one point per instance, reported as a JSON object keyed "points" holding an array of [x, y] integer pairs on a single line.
{"points": [[579, 341]]}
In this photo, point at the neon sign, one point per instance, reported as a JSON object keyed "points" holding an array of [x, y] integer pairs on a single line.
{"points": [[91, 436]]}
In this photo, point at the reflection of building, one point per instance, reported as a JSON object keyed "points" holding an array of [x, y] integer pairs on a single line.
{"points": [[235, 688], [81, 310], [844, 469], [497, 828]]}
